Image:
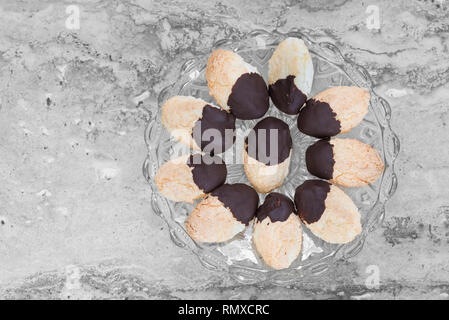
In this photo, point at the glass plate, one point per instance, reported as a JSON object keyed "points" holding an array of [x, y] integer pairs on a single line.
{"points": [[237, 257]]}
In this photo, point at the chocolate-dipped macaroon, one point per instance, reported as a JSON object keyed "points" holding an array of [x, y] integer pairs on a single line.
{"points": [[266, 157], [333, 111], [290, 75], [236, 85], [277, 232], [190, 177], [346, 162], [190, 119], [327, 211], [224, 213]]}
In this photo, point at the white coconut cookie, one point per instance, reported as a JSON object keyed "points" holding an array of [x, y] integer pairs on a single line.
{"points": [[190, 177], [223, 214], [265, 178], [346, 162], [333, 111], [327, 211], [236, 85], [290, 75], [266, 168], [277, 232], [198, 124]]}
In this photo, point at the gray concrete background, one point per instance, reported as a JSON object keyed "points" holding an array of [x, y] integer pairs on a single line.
{"points": [[75, 218]]}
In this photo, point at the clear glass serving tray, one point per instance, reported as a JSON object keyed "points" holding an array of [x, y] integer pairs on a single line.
{"points": [[237, 257]]}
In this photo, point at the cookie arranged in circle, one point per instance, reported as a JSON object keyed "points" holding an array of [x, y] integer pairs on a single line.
{"points": [[290, 75], [346, 162], [223, 214], [198, 124], [277, 234], [236, 85], [333, 111], [190, 177], [327, 211]]}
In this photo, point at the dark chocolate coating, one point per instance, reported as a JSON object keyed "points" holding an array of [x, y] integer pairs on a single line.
{"points": [[276, 206], [214, 118], [284, 141], [249, 97], [286, 96], [317, 119], [240, 198], [208, 173], [320, 159], [310, 200]]}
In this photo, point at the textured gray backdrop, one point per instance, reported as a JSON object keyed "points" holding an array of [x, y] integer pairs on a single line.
{"points": [[75, 218]]}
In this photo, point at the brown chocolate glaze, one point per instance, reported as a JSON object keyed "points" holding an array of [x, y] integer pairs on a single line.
{"points": [[284, 141], [286, 96], [249, 97], [214, 118], [209, 172], [320, 159], [310, 200], [317, 119], [276, 206], [240, 198]]}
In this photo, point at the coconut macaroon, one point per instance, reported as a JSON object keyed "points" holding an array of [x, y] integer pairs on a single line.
{"points": [[277, 232], [267, 154], [346, 162], [188, 178], [198, 124], [333, 111], [290, 75], [223, 213], [236, 85], [327, 211]]}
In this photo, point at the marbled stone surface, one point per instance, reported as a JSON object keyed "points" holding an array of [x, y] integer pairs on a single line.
{"points": [[75, 218]]}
